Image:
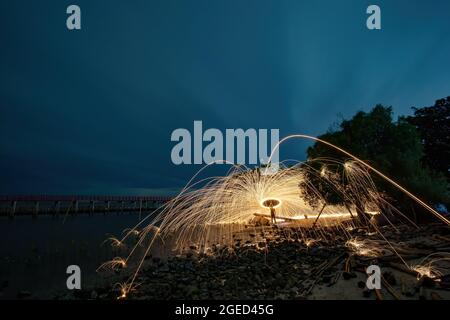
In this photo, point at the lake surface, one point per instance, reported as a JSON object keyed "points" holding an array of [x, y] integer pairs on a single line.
{"points": [[35, 253]]}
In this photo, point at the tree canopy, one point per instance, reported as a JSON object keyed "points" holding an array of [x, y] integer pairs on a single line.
{"points": [[392, 147], [433, 125]]}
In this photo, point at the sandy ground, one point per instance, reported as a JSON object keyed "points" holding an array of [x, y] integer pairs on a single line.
{"points": [[349, 290]]}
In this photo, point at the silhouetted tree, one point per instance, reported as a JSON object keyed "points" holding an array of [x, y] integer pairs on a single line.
{"points": [[327, 183], [392, 147], [433, 125]]}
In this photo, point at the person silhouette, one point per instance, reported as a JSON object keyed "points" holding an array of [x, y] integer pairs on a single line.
{"points": [[272, 215]]}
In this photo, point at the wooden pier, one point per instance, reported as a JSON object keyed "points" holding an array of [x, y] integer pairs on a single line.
{"points": [[12, 206]]}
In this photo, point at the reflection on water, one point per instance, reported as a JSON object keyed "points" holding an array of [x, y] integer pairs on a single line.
{"points": [[34, 253]]}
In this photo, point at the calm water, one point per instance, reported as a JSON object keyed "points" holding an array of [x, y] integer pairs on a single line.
{"points": [[35, 253]]}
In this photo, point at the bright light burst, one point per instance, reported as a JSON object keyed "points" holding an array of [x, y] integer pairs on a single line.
{"points": [[212, 210], [115, 264], [368, 248], [433, 266]]}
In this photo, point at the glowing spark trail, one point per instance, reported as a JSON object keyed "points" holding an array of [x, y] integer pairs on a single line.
{"points": [[213, 210], [422, 203]]}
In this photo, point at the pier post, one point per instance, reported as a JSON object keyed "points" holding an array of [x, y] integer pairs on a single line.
{"points": [[76, 206], [121, 207], [13, 209], [92, 207], [36, 209], [108, 206], [57, 208], [140, 209]]}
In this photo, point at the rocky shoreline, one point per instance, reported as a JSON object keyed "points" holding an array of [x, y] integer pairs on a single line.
{"points": [[286, 266]]}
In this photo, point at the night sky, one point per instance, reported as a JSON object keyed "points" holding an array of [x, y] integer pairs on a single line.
{"points": [[91, 111]]}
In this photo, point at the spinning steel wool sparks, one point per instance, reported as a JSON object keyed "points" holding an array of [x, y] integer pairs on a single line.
{"points": [[271, 203], [433, 266], [212, 210]]}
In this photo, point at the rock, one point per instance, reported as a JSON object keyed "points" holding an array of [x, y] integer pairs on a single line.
{"points": [[435, 296], [348, 275], [82, 294], [427, 282], [156, 259], [294, 290], [191, 290], [422, 294], [94, 294], [390, 278], [5, 284], [281, 296], [327, 278], [23, 294], [367, 293], [361, 284], [260, 221], [410, 292], [445, 282]]}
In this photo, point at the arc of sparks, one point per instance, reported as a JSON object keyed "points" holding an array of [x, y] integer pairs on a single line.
{"points": [[172, 205], [382, 175]]}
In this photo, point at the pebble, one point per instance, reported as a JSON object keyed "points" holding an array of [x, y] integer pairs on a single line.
{"points": [[23, 294]]}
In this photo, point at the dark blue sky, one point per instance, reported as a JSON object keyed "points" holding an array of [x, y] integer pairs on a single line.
{"points": [[92, 111]]}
